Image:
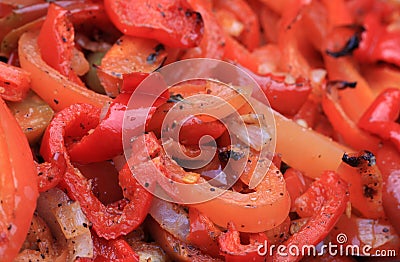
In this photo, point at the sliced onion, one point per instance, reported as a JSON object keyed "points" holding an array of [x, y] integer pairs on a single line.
{"points": [[67, 223], [252, 135], [171, 217], [71, 219]]}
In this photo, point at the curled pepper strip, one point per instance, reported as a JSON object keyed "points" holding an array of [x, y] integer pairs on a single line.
{"points": [[14, 82], [56, 42], [49, 174], [380, 118], [328, 197], [234, 251], [111, 221]]}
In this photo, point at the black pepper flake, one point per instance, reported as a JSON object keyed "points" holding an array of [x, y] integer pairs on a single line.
{"points": [[7, 83], [146, 184], [84, 225], [212, 189], [56, 101], [385, 230], [64, 39]]}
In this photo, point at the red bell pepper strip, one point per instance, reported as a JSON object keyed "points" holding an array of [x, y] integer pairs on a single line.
{"points": [[382, 116], [50, 174], [89, 150], [379, 43], [232, 249], [295, 184], [109, 222], [388, 161], [348, 129], [250, 36], [286, 98], [173, 23], [18, 185], [56, 42], [14, 82], [354, 101], [328, 198], [5, 9], [131, 81], [309, 113], [203, 233], [236, 52], [213, 40], [365, 183], [129, 55]]}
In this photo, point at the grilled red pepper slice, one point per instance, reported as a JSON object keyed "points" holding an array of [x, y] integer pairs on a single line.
{"points": [[328, 197], [14, 82], [234, 251], [286, 98], [56, 42], [388, 161], [89, 150], [380, 118], [213, 41], [203, 233], [18, 188], [172, 23], [379, 43], [109, 221]]}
